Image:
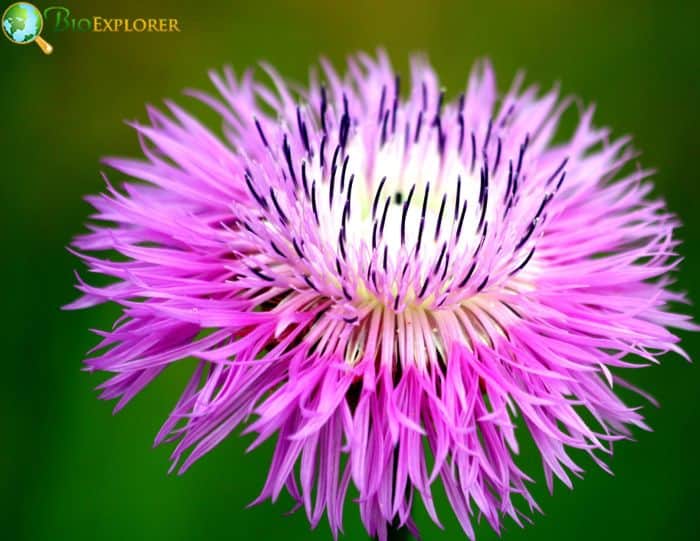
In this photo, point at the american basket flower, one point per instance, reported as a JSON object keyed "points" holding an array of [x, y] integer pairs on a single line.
{"points": [[393, 285]]}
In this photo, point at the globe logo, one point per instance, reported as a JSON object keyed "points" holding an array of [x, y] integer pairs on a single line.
{"points": [[22, 24]]}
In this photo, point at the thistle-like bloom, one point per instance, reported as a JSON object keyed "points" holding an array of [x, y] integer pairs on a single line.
{"points": [[394, 286]]}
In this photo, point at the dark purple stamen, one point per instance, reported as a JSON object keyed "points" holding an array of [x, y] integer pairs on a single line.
{"points": [[376, 197], [561, 181], [309, 282], [460, 144], [261, 133], [439, 220], [440, 135], [380, 114], [296, 248], [484, 179], [259, 274], [556, 173], [439, 260], [345, 215], [483, 239], [425, 286], [349, 195], [523, 148], [483, 211], [461, 218], [334, 161], [482, 285], [405, 213], [249, 182], [341, 242], [421, 226], [525, 262], [457, 196], [386, 208], [438, 109], [419, 124], [526, 237], [324, 106], [497, 161], [282, 215], [422, 216], [313, 202], [344, 218], [384, 124], [509, 186], [506, 117], [447, 264], [488, 137], [276, 249], [302, 132], [469, 275], [545, 202], [343, 171], [334, 168], [304, 180], [471, 169], [344, 123], [286, 149], [483, 193], [322, 151]]}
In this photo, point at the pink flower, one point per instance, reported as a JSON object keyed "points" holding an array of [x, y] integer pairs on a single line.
{"points": [[365, 270]]}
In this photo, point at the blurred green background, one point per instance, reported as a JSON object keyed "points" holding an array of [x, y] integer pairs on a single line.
{"points": [[69, 470]]}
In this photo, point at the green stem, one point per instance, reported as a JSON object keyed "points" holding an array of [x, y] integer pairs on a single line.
{"points": [[398, 534]]}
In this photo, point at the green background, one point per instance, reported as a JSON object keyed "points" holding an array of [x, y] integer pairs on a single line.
{"points": [[70, 470]]}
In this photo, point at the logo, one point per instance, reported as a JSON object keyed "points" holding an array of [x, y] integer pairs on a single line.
{"points": [[60, 19], [22, 23]]}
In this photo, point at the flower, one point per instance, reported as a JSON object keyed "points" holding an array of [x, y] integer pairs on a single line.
{"points": [[388, 282]]}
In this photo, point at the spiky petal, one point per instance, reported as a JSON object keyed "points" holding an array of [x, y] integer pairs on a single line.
{"points": [[362, 270]]}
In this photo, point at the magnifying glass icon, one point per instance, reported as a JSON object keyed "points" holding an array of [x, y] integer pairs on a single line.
{"points": [[22, 23]]}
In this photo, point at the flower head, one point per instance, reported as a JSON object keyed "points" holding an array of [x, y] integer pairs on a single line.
{"points": [[392, 284]]}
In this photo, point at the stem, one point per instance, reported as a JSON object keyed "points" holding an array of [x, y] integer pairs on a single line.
{"points": [[398, 534]]}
